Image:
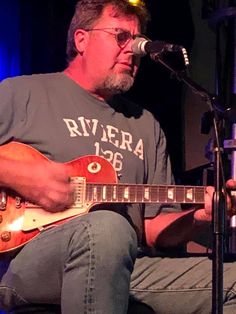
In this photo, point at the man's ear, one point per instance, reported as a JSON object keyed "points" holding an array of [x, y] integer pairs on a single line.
{"points": [[80, 39]]}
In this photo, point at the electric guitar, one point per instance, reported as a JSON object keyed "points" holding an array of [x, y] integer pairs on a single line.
{"points": [[95, 182]]}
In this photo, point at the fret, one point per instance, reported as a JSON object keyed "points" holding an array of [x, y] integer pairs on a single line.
{"points": [[120, 193], [162, 194], [139, 194], [179, 194], [199, 194], [88, 193], [114, 193], [154, 193], [109, 192], [100, 192], [133, 193]]}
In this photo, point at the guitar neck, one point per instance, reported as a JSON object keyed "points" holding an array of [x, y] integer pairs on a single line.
{"points": [[139, 193]]}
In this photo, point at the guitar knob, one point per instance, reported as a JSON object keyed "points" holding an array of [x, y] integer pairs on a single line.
{"points": [[3, 200], [6, 236], [18, 202]]}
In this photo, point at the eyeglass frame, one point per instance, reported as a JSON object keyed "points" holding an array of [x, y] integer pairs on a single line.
{"points": [[122, 31]]}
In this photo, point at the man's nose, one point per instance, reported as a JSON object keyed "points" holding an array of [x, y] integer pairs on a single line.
{"points": [[128, 46]]}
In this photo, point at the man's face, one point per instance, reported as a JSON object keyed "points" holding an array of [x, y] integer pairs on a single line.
{"points": [[111, 67]]}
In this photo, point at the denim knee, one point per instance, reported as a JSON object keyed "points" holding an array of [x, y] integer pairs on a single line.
{"points": [[112, 235], [86, 253], [107, 259]]}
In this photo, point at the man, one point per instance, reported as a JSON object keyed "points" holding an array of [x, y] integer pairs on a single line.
{"points": [[86, 265]]}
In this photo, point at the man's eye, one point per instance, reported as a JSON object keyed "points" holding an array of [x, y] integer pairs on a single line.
{"points": [[123, 37]]}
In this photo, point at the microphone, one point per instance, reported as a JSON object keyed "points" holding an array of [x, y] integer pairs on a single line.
{"points": [[142, 46]]}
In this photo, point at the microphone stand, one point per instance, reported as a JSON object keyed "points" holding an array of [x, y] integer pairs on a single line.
{"points": [[219, 202]]}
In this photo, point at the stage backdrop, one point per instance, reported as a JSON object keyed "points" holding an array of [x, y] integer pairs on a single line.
{"points": [[202, 70], [9, 49], [9, 38]]}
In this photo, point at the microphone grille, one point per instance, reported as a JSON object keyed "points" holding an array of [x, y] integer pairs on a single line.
{"points": [[138, 46]]}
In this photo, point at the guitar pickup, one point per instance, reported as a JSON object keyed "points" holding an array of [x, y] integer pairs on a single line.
{"points": [[79, 185], [36, 217]]}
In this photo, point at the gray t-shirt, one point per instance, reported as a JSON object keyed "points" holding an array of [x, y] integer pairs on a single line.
{"points": [[63, 121]]}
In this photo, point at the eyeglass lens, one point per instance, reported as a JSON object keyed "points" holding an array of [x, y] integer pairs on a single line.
{"points": [[123, 37]]}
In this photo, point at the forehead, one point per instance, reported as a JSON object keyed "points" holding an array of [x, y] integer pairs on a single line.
{"points": [[112, 17]]}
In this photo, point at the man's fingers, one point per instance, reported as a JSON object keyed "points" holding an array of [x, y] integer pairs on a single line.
{"points": [[231, 184]]}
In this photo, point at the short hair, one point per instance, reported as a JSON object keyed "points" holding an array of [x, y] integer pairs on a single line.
{"points": [[87, 12]]}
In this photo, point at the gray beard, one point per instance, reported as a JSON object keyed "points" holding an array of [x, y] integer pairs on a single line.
{"points": [[116, 84]]}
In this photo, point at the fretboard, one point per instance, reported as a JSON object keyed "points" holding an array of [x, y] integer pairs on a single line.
{"points": [[139, 193]]}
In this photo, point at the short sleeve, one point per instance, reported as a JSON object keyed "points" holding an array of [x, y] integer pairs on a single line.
{"points": [[11, 110]]}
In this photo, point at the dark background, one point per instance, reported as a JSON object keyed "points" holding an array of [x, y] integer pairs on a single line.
{"points": [[35, 31], [33, 39]]}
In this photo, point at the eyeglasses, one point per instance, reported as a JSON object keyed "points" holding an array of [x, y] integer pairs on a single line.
{"points": [[121, 36]]}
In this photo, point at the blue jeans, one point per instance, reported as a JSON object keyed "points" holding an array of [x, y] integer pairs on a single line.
{"points": [[85, 265], [181, 285]]}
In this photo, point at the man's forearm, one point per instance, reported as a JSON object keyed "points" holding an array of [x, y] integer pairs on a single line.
{"points": [[171, 229], [9, 171]]}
